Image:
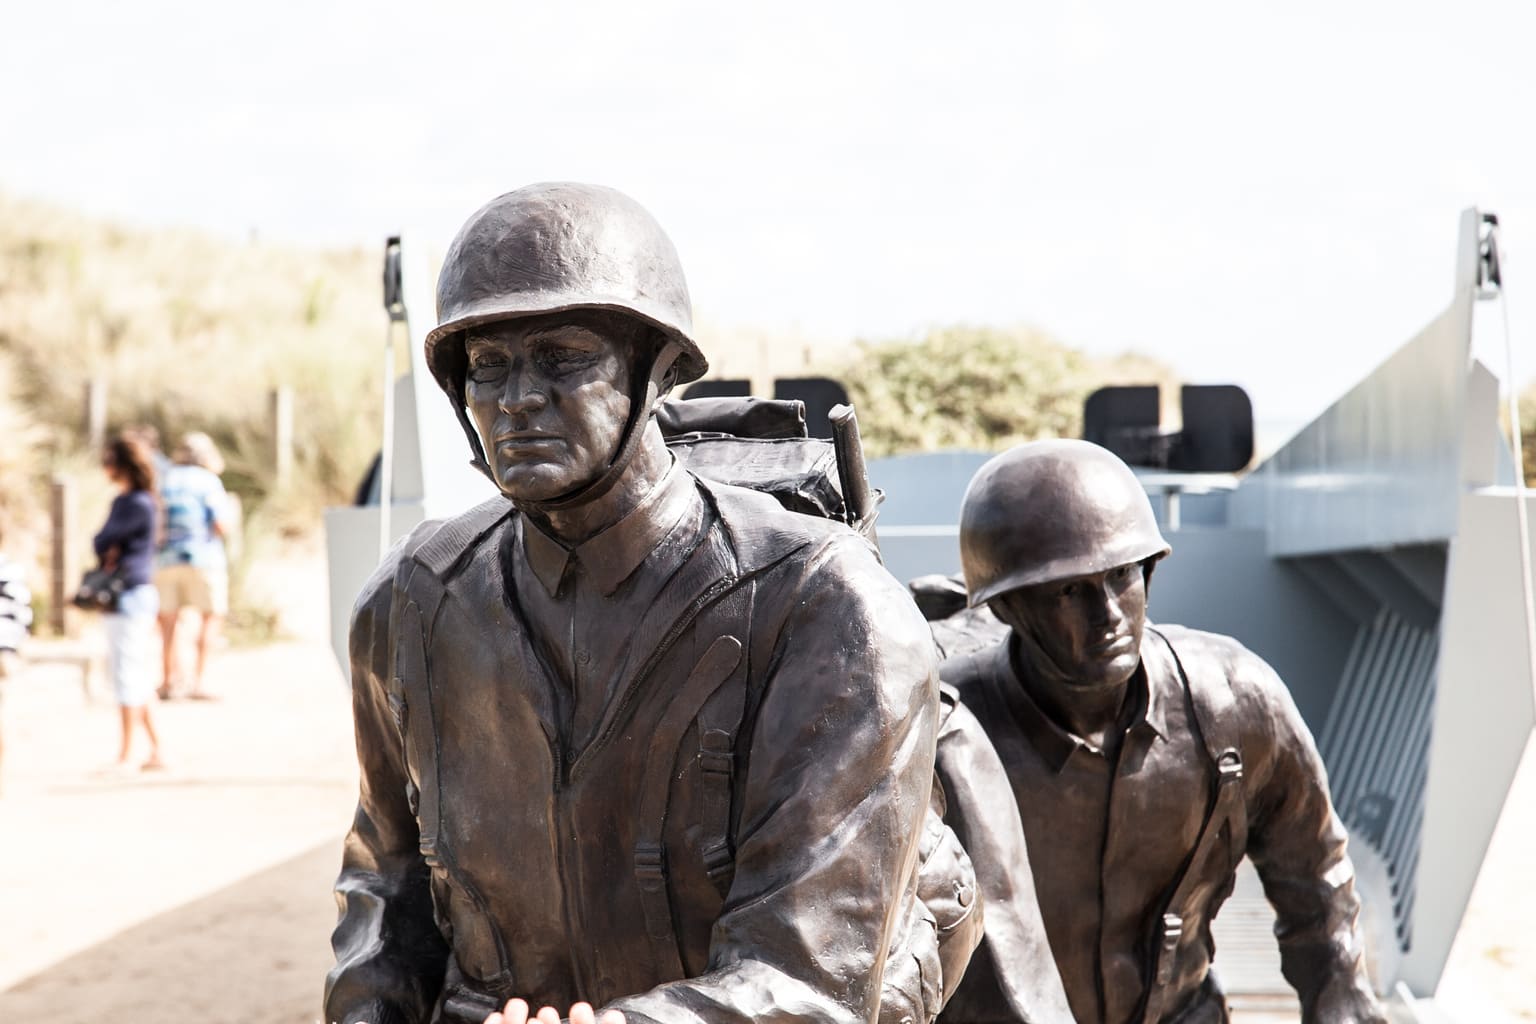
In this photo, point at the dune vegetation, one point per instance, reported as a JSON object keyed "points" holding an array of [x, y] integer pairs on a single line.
{"points": [[980, 388], [186, 331]]}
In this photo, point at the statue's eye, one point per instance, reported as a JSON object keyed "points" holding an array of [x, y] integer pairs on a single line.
{"points": [[487, 367], [558, 360]]}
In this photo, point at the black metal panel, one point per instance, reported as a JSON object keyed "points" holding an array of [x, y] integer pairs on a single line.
{"points": [[1126, 420], [718, 389], [1218, 430], [1217, 436], [820, 395]]}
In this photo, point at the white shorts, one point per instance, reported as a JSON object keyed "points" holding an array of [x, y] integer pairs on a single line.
{"points": [[131, 645]]}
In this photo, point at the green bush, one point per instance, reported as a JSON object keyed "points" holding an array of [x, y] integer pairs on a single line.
{"points": [[978, 387]]}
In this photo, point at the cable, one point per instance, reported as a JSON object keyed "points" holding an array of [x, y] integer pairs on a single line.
{"points": [[1522, 515]]}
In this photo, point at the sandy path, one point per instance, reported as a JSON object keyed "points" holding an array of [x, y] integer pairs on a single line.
{"points": [[158, 878]]}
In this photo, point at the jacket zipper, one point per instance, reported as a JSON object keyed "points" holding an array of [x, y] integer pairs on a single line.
{"points": [[562, 854], [684, 620]]}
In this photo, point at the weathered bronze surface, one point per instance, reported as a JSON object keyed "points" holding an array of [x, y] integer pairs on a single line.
{"points": [[627, 735], [1144, 764]]}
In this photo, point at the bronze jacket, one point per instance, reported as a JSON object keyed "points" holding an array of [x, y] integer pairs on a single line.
{"points": [[1107, 840], [738, 843]]}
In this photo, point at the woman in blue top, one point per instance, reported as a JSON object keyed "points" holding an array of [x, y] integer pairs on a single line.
{"points": [[126, 544]]}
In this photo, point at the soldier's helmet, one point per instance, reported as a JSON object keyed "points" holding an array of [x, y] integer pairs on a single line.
{"points": [[554, 247], [1052, 510]]}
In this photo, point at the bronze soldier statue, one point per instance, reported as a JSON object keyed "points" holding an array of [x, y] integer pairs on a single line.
{"points": [[1145, 763], [627, 737]]}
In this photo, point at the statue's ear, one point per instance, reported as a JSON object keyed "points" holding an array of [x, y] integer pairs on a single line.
{"points": [[1001, 609], [669, 381], [664, 386]]}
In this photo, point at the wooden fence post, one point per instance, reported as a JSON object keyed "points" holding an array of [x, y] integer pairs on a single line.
{"points": [[96, 413], [280, 407], [62, 575]]}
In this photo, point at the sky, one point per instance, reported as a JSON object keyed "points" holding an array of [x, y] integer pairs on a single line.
{"points": [[1265, 195]]}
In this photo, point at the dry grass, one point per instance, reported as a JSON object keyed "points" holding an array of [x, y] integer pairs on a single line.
{"points": [[193, 332], [188, 332]]}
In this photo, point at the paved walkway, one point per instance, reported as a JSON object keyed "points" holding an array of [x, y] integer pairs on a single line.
{"points": [[155, 896]]}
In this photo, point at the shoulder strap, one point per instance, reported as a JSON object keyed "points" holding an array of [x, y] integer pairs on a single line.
{"points": [[418, 591], [417, 597], [712, 671], [719, 726], [1211, 696], [1210, 693], [442, 549]]}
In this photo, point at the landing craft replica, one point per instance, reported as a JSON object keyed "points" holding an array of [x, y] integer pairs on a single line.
{"points": [[1379, 561]]}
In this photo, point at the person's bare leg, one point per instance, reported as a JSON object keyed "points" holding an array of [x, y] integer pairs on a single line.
{"points": [[125, 717], [171, 668], [208, 629], [148, 722]]}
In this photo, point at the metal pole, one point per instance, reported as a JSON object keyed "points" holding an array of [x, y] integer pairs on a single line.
{"points": [[1490, 274], [394, 305], [387, 447]]}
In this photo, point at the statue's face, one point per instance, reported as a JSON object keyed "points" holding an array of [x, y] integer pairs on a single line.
{"points": [[550, 399], [1087, 628]]}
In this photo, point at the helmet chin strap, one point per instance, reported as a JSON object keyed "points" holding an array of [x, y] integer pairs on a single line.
{"points": [[629, 444]]}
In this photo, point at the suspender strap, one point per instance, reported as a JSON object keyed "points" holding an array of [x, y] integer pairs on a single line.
{"points": [[719, 722], [1211, 697], [711, 671], [716, 761], [419, 600]]}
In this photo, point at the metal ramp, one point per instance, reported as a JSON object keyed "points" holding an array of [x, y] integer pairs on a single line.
{"points": [[1247, 959]]}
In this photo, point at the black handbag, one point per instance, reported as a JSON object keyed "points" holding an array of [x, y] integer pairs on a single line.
{"points": [[99, 590]]}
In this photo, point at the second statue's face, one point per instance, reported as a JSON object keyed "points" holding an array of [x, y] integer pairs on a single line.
{"points": [[1089, 628], [550, 399]]}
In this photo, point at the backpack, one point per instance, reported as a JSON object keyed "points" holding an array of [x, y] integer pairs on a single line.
{"points": [[760, 444]]}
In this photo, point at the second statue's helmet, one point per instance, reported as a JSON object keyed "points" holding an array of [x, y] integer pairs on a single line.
{"points": [[1052, 510], [564, 247]]}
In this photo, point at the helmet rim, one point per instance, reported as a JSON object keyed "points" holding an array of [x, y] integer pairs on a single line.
{"points": [[1052, 510]]}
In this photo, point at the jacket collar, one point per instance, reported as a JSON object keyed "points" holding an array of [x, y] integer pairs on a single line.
{"points": [[1150, 691], [612, 556]]}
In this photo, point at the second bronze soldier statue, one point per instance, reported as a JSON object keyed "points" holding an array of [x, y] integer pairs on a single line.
{"points": [[1146, 763]]}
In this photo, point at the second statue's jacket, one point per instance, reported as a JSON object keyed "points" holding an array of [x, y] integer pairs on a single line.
{"points": [[738, 842], [1103, 904]]}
